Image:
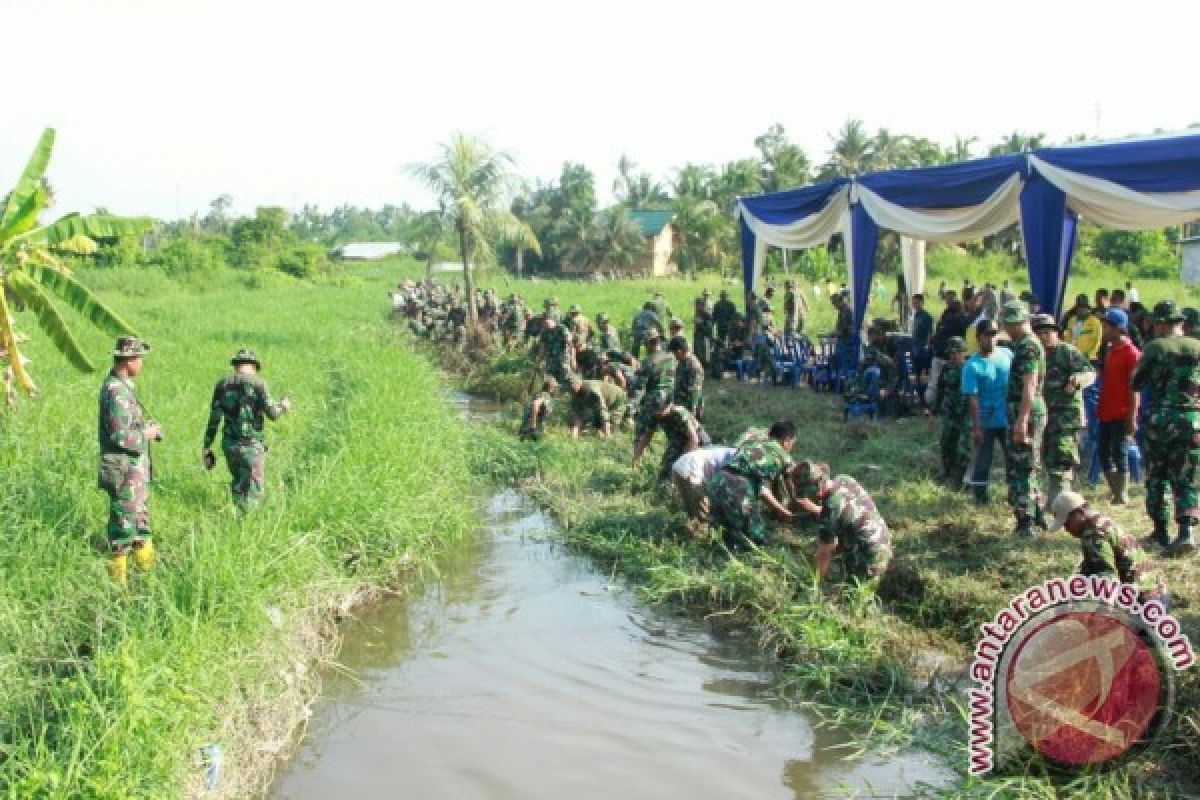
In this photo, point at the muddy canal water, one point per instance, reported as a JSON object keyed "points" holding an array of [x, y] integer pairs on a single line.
{"points": [[523, 673]]}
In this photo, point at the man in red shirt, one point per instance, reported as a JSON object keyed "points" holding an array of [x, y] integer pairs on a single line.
{"points": [[1118, 402]]}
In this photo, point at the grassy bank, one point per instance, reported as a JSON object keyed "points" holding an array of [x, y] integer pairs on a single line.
{"points": [[110, 695], [891, 665]]}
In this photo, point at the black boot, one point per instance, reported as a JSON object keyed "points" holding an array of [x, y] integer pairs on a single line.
{"points": [[1159, 535], [1183, 544], [1024, 526]]}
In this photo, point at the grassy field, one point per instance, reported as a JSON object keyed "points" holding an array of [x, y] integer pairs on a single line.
{"points": [[890, 664], [108, 694]]}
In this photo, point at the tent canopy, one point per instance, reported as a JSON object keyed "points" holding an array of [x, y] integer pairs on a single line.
{"points": [[1135, 184]]}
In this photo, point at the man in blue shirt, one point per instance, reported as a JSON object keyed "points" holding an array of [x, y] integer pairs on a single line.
{"points": [[985, 383]]}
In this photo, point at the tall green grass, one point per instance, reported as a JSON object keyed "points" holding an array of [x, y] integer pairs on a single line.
{"points": [[109, 694]]}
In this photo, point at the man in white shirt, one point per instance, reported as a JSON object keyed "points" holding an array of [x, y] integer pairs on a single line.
{"points": [[691, 471]]}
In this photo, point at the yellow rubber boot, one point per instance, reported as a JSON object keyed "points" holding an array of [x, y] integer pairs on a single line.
{"points": [[118, 568], [143, 555]]}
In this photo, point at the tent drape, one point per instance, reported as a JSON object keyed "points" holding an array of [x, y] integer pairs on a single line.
{"points": [[1048, 233], [912, 261]]}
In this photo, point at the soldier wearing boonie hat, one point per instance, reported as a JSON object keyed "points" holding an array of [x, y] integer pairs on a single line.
{"points": [[954, 442], [125, 471], [241, 404], [1068, 373], [1170, 367]]}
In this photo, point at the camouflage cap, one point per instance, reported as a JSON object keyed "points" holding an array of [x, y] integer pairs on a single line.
{"points": [[956, 344], [677, 343], [130, 347], [789, 284], [550, 302], [676, 322], [1041, 322], [724, 293], [602, 316], [575, 309], [1014, 314], [245, 356], [807, 475], [1167, 311], [707, 292]]}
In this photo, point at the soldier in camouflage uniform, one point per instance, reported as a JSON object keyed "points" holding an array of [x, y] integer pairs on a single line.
{"points": [[1026, 419], [876, 366], [1068, 373], [683, 431], [951, 404], [241, 403], [580, 327], [702, 327], [846, 354], [656, 381], [557, 350], [1170, 369], [795, 308], [723, 313], [738, 491], [645, 323], [551, 310], [540, 407], [598, 403], [849, 524], [753, 318], [1107, 550], [661, 308], [689, 378], [607, 337], [125, 435]]}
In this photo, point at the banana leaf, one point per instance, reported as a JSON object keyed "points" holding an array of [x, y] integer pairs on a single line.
{"points": [[78, 297], [31, 179], [94, 226], [50, 321]]}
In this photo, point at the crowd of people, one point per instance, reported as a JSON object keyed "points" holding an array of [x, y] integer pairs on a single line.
{"points": [[1007, 375]]}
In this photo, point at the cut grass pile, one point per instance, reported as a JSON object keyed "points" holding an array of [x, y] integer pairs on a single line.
{"points": [[108, 694]]}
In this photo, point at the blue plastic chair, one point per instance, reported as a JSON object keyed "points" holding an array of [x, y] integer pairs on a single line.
{"points": [[870, 406]]}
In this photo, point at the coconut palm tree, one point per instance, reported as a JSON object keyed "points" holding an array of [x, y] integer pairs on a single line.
{"points": [[696, 222], [621, 241], [31, 269], [1017, 142], [852, 152], [471, 181]]}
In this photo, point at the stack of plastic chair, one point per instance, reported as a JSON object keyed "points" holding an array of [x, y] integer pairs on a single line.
{"points": [[783, 361], [823, 375], [806, 362], [868, 404]]}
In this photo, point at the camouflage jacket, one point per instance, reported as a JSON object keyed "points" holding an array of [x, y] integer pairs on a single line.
{"points": [[849, 516], [543, 400], [1107, 550], [597, 400], [607, 337], [723, 314], [680, 425], [122, 420], [759, 460], [949, 401], [1170, 369], [1064, 363], [663, 310], [241, 402], [874, 357], [555, 343], [581, 328], [689, 383], [657, 373], [1028, 359], [646, 321]]}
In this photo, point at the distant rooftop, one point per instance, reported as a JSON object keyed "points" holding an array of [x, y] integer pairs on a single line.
{"points": [[651, 221], [367, 251]]}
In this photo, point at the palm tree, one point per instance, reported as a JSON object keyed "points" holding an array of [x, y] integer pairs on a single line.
{"points": [[471, 181], [695, 181], [962, 147], [30, 269], [1017, 142], [620, 239], [852, 151], [645, 192], [696, 223], [738, 179], [426, 233]]}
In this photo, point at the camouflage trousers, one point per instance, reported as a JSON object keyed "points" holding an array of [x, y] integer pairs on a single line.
{"points": [[1060, 444], [247, 462], [735, 506], [1021, 467], [126, 480], [955, 447], [645, 420], [1172, 461], [702, 346]]}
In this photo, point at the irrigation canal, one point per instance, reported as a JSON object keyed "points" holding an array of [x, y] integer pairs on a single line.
{"points": [[523, 673]]}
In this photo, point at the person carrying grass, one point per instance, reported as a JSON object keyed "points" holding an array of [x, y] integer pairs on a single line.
{"points": [[241, 403]]}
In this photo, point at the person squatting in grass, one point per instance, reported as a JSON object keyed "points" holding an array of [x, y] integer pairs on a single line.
{"points": [[598, 403], [1107, 550], [240, 405], [125, 471], [849, 523], [689, 474], [683, 431], [738, 491], [539, 409]]}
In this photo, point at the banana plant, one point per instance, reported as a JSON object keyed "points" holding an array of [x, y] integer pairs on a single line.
{"points": [[31, 269]]}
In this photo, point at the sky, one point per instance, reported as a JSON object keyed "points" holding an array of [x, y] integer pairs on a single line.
{"points": [[162, 105]]}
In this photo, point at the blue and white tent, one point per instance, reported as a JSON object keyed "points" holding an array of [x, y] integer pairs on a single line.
{"points": [[1136, 184]]}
